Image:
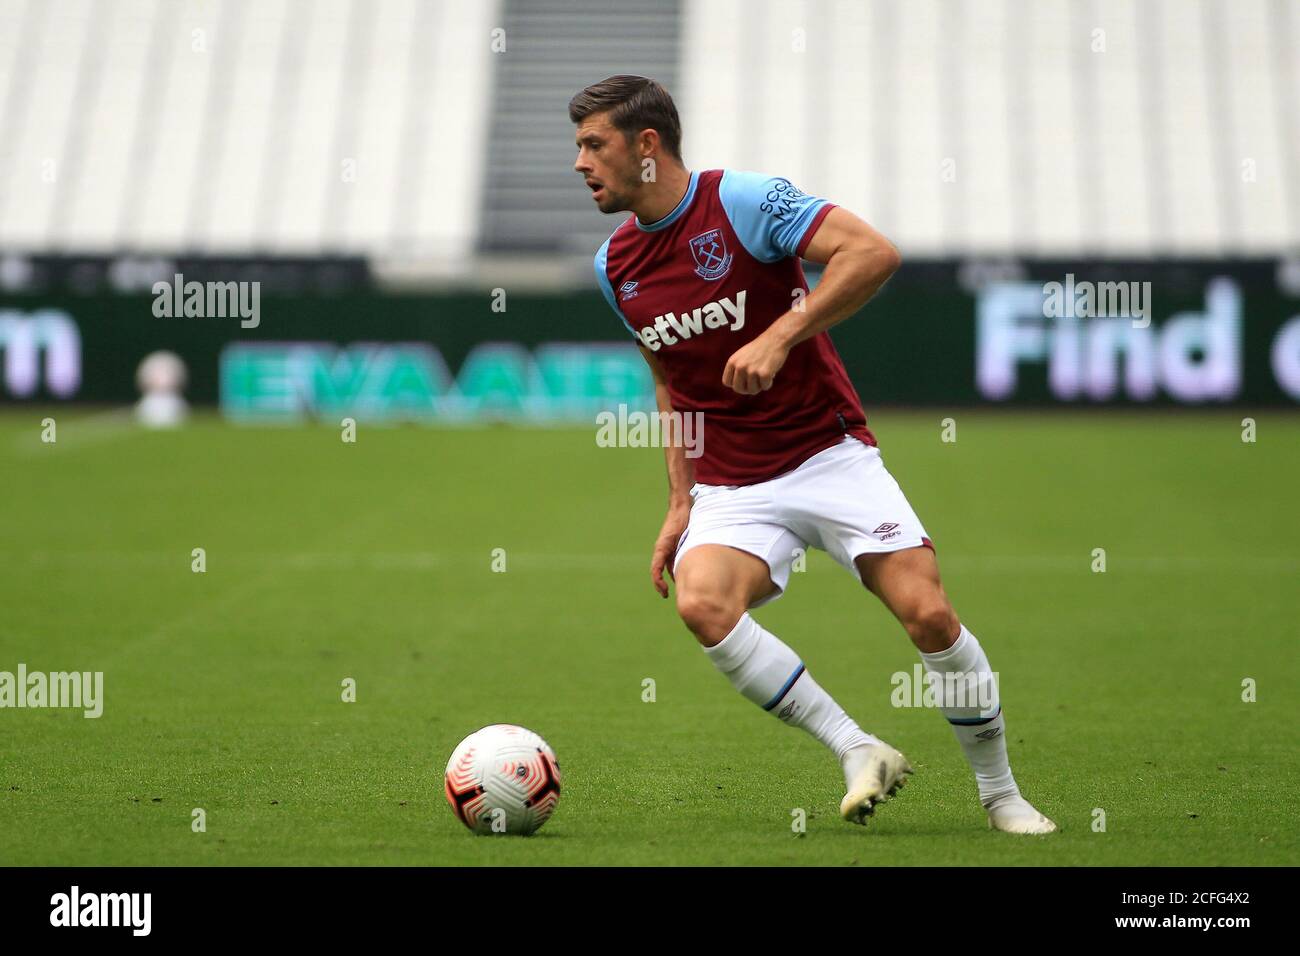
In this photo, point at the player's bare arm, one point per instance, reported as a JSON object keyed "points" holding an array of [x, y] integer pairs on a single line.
{"points": [[680, 479], [859, 260]]}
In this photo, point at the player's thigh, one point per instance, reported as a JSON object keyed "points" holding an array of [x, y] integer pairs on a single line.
{"points": [[722, 578], [908, 583]]}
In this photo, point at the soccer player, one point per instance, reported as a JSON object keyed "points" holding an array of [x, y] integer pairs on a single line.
{"points": [[706, 276]]}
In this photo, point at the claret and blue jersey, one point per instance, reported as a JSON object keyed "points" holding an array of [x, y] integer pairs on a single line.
{"points": [[705, 280]]}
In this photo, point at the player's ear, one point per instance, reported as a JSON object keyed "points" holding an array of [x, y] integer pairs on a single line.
{"points": [[649, 143]]}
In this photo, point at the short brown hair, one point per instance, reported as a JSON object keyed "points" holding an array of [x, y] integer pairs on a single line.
{"points": [[636, 103]]}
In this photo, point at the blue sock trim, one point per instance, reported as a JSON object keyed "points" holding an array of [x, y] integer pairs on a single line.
{"points": [[974, 721], [798, 672]]}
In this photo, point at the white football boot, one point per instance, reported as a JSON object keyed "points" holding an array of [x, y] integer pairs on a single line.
{"points": [[873, 774], [1015, 814]]}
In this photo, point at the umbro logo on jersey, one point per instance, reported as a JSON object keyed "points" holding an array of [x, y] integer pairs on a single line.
{"points": [[671, 328], [627, 291], [887, 530]]}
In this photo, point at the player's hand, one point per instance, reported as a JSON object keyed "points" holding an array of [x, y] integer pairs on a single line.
{"points": [[666, 546], [752, 368]]}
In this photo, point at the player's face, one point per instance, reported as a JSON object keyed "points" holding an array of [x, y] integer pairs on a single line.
{"points": [[608, 164]]}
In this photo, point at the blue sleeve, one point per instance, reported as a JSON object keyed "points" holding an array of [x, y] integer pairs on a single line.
{"points": [[771, 216], [602, 280]]}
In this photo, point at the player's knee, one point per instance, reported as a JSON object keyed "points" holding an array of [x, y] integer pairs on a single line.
{"points": [[933, 626], [710, 615]]}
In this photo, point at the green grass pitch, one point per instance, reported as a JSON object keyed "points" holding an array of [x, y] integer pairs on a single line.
{"points": [[373, 561]]}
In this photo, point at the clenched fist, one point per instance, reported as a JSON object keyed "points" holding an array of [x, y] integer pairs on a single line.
{"points": [[752, 368]]}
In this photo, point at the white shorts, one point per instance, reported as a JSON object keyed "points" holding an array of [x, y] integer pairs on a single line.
{"points": [[841, 500]]}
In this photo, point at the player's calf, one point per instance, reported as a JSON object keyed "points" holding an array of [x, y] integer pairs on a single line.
{"points": [[908, 583], [932, 624], [715, 587]]}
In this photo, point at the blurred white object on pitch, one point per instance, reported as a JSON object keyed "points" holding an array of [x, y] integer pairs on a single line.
{"points": [[161, 377]]}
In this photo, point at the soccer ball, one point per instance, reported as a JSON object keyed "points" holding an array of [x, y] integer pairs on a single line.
{"points": [[503, 779]]}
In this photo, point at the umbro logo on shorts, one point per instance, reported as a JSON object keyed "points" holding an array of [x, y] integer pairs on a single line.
{"points": [[887, 530]]}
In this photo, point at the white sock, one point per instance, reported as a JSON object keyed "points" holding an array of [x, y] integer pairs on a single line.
{"points": [[980, 731], [767, 672]]}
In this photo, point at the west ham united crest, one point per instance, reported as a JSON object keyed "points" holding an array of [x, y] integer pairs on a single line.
{"points": [[712, 260]]}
